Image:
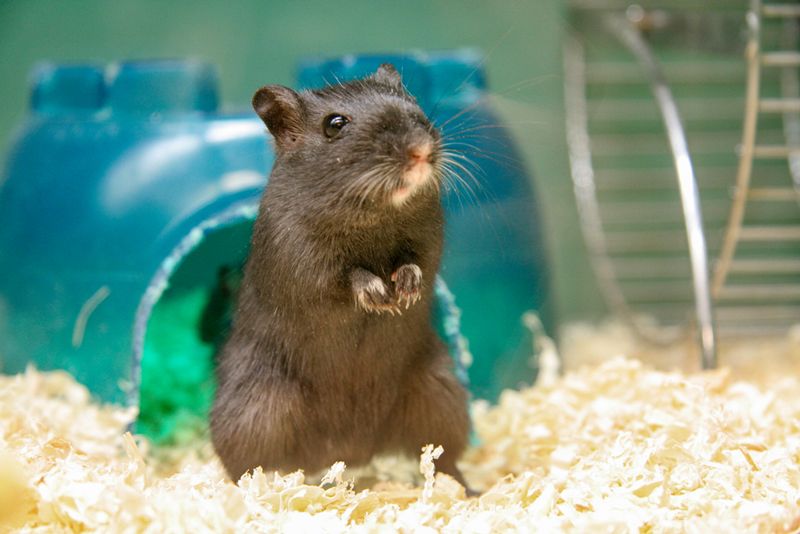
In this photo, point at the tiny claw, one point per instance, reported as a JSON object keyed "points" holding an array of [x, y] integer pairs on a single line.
{"points": [[408, 281]]}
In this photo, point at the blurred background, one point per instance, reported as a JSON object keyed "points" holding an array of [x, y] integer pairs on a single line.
{"points": [[570, 80], [254, 42]]}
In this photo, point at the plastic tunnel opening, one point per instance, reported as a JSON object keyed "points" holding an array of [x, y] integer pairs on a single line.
{"points": [[193, 298], [187, 325]]}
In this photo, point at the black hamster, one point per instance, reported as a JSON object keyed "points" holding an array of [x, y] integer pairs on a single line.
{"points": [[332, 355]]}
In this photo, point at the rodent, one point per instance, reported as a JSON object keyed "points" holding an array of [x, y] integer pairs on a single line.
{"points": [[332, 355]]}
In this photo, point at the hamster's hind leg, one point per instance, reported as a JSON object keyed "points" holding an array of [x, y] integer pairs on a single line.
{"points": [[257, 426], [432, 409]]}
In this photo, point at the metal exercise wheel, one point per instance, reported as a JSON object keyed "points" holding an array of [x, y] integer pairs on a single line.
{"points": [[739, 120], [766, 243], [580, 157]]}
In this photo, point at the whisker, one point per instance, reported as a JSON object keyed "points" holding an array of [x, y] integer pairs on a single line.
{"points": [[492, 126], [450, 184], [362, 186], [378, 180], [451, 171], [464, 192], [472, 108], [458, 166], [457, 156], [500, 158]]}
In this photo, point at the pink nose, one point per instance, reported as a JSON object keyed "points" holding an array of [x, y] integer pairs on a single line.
{"points": [[420, 153]]}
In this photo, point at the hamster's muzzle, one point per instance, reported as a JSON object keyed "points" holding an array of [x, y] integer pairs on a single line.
{"points": [[417, 172]]}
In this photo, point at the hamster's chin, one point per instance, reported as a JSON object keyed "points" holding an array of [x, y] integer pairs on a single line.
{"points": [[413, 180]]}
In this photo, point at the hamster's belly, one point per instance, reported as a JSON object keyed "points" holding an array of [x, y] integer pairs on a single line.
{"points": [[361, 365]]}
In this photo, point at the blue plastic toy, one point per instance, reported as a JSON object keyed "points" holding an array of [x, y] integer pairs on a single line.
{"points": [[126, 207]]}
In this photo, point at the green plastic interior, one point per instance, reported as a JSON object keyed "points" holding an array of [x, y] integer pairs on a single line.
{"points": [[184, 332]]}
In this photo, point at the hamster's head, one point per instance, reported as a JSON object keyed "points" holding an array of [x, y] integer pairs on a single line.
{"points": [[364, 143]]}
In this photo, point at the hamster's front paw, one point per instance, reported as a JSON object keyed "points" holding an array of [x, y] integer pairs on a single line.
{"points": [[371, 294], [407, 284]]}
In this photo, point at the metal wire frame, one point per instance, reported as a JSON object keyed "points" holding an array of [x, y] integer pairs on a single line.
{"points": [[585, 189]]}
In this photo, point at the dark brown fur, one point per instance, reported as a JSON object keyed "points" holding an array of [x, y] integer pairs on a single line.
{"points": [[309, 376]]}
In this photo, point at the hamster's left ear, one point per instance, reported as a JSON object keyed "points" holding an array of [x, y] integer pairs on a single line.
{"points": [[282, 111], [388, 75]]}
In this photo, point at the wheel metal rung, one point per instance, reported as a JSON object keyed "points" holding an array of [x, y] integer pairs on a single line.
{"points": [[622, 213], [779, 105], [652, 144], [673, 317], [775, 151], [664, 178], [781, 10], [633, 240], [780, 59], [776, 292], [765, 266], [658, 276], [660, 293], [769, 233], [661, 308], [773, 194], [652, 183], [615, 110], [751, 331], [623, 248], [639, 211], [758, 313], [639, 268], [694, 72]]}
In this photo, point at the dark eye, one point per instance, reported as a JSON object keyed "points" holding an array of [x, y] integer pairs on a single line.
{"points": [[332, 125]]}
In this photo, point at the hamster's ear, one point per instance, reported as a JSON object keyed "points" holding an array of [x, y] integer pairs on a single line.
{"points": [[282, 111], [388, 75]]}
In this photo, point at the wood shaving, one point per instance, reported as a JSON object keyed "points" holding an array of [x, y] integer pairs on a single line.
{"points": [[612, 447]]}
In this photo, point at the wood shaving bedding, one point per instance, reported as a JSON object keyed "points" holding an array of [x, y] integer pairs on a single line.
{"points": [[613, 447]]}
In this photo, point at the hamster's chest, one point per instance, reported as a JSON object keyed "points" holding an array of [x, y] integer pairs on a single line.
{"points": [[375, 249]]}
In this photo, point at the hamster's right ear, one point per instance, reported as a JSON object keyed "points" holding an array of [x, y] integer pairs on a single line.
{"points": [[388, 75], [282, 111]]}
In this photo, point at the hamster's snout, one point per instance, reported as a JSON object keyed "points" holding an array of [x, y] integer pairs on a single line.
{"points": [[420, 154], [418, 171]]}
